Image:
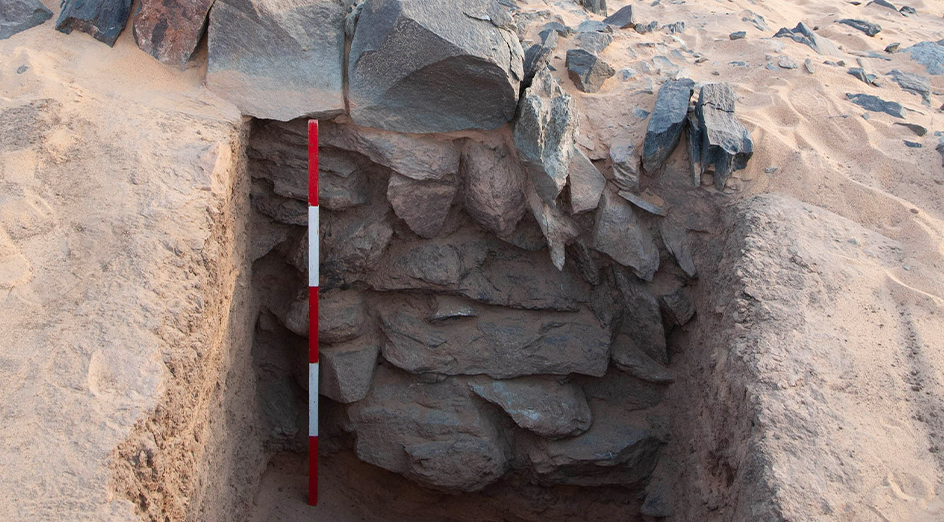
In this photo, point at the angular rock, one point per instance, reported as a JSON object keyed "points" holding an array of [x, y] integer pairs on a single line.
{"points": [[558, 229], [646, 28], [103, 19], [930, 55], [619, 449], [544, 134], [619, 234], [424, 205], [737, 35], [631, 359], [347, 369], [541, 404], [861, 74], [594, 6], [892, 47], [339, 193], [642, 203], [785, 62], [341, 315], [594, 42], [642, 320], [693, 139], [494, 186], [622, 19], [677, 308], [432, 433], [353, 241], [666, 122], [19, 15], [170, 30], [804, 35], [403, 49], [675, 238], [755, 19], [557, 27], [593, 26], [416, 157], [876, 104], [908, 10], [883, 3], [587, 71], [625, 165], [585, 264], [866, 27], [524, 280], [278, 60], [726, 144], [498, 342], [538, 54], [586, 183], [913, 83], [675, 27], [914, 127]]}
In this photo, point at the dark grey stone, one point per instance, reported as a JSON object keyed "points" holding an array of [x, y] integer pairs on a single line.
{"points": [[170, 30], [866, 78], [666, 123], [914, 127], [494, 186], [587, 71], [586, 183], [544, 134], [347, 369], [912, 144], [424, 205], [19, 15], [538, 55], [646, 28], [677, 308], [726, 144], [625, 165], [593, 26], [642, 321], [278, 61], [675, 27], [103, 19], [693, 141], [402, 50], [755, 19], [559, 28], [913, 83], [594, 42], [622, 19], [876, 104], [892, 47], [930, 55], [594, 6], [804, 35], [642, 203], [619, 234], [868, 28], [737, 35], [675, 239], [435, 433], [908, 10]]}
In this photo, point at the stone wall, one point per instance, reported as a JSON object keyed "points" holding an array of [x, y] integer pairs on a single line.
{"points": [[459, 350]]}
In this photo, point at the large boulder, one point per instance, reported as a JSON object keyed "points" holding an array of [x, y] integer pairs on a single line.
{"points": [[20, 15], [541, 404], [544, 133], [666, 123], [103, 19], [425, 66], [170, 30], [498, 342], [494, 186], [432, 433], [278, 60], [619, 234]]}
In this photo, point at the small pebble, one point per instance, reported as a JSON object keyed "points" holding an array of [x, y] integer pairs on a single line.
{"points": [[893, 47], [808, 64], [853, 241], [866, 116], [771, 170], [914, 211], [22, 69], [912, 144], [737, 35]]}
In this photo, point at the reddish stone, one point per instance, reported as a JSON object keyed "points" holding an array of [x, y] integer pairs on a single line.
{"points": [[170, 30]]}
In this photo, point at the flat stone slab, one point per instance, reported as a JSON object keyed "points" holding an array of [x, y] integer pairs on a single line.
{"points": [[666, 122]]}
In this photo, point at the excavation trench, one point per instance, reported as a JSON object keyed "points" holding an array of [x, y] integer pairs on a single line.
{"points": [[463, 376]]}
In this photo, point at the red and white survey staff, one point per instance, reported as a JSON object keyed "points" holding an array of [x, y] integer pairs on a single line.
{"points": [[313, 312]]}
